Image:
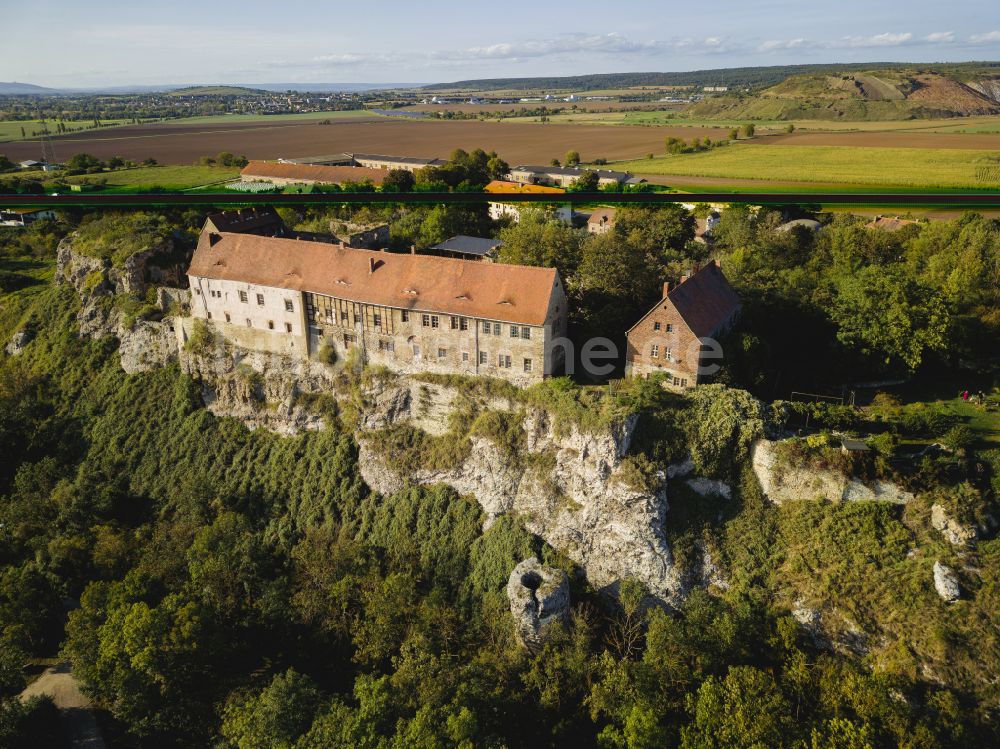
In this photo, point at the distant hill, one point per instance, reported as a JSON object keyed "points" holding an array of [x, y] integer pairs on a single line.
{"points": [[872, 94], [756, 77], [13, 87], [215, 91]]}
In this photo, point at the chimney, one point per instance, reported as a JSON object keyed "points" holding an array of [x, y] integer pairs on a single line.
{"points": [[666, 289], [213, 239], [371, 265]]}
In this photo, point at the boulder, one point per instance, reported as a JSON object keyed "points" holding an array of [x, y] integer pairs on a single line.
{"points": [[539, 599], [946, 583], [19, 340], [956, 533]]}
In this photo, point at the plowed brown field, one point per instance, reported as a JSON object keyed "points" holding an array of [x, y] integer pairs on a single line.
{"points": [[516, 142]]}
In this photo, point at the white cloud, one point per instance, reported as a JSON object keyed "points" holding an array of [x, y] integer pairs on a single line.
{"points": [[940, 37], [888, 39], [988, 38]]}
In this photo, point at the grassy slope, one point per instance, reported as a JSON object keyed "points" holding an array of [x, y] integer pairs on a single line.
{"points": [[889, 167], [167, 177]]}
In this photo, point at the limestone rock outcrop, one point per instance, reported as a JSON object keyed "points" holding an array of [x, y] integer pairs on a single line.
{"points": [[956, 533], [19, 340], [539, 599], [946, 583], [784, 484]]}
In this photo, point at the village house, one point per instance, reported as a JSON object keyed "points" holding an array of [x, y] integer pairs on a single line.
{"points": [[408, 163], [284, 173], [889, 223], [407, 312], [24, 216], [499, 209], [566, 176], [601, 221], [668, 338]]}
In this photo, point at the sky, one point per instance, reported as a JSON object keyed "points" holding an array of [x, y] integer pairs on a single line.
{"points": [[81, 43]]}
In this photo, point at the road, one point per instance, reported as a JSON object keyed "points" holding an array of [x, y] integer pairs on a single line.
{"points": [[58, 683]]}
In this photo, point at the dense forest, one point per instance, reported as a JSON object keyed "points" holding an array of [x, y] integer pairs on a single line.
{"points": [[216, 586]]}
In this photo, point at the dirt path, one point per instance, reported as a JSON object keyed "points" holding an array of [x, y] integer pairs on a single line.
{"points": [[58, 683]]}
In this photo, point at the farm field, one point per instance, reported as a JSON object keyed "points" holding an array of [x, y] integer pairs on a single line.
{"points": [[885, 167], [184, 143], [166, 177], [225, 119]]}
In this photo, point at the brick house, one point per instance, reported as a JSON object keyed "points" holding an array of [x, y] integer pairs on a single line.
{"points": [[667, 339], [408, 312]]}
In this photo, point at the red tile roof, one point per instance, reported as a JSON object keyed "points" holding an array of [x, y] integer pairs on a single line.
{"points": [[705, 301], [311, 172], [513, 293], [502, 186]]}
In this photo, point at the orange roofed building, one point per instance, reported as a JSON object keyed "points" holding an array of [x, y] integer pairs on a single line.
{"points": [[410, 313], [499, 209], [668, 338]]}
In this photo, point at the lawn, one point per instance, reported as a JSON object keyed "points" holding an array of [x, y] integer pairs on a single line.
{"points": [[166, 177], [10, 130], [887, 167]]}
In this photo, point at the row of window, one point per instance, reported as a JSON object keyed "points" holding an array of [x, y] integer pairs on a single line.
{"points": [[654, 352], [270, 323], [504, 361], [516, 331], [245, 298], [670, 328]]}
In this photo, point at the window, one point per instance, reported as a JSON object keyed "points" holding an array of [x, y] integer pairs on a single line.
{"points": [[435, 321], [487, 327], [496, 328], [503, 361], [426, 321], [270, 324], [684, 382], [525, 332], [404, 315], [209, 315], [463, 323], [344, 318], [483, 357], [527, 365], [249, 323], [514, 331], [454, 323], [377, 320], [387, 346], [656, 326], [677, 380], [227, 317], [260, 300], [243, 297], [289, 305], [654, 351], [288, 327], [465, 356], [670, 328], [442, 353], [349, 340], [197, 291]]}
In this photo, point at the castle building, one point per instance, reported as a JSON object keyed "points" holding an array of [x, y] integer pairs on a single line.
{"points": [[408, 312], [669, 339]]}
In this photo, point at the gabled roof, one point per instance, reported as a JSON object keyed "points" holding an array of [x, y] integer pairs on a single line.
{"points": [[467, 245], [246, 219], [513, 293], [705, 301], [311, 172], [602, 215], [396, 159], [890, 223], [566, 171], [502, 186]]}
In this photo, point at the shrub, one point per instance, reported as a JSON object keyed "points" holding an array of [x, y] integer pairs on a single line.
{"points": [[959, 438], [327, 354]]}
